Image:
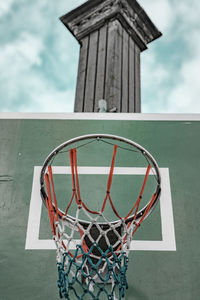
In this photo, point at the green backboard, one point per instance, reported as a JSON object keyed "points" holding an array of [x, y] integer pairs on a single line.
{"points": [[164, 258]]}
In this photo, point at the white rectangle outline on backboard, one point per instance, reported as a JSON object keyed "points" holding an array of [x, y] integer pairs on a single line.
{"points": [[168, 242]]}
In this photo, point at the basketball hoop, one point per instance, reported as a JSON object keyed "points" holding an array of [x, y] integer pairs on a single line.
{"points": [[95, 264]]}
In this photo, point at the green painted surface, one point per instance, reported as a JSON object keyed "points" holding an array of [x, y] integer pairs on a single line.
{"points": [[32, 274]]}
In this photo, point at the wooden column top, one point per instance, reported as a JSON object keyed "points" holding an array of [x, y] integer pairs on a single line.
{"points": [[93, 14]]}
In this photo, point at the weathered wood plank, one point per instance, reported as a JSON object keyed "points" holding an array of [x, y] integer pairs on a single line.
{"points": [[82, 70], [125, 75], [132, 87], [101, 66], [91, 72], [137, 80], [113, 65]]}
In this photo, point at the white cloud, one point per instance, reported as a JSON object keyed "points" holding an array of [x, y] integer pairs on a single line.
{"points": [[32, 92], [154, 75], [185, 96], [38, 59], [161, 12], [5, 6], [16, 60], [19, 55], [188, 13], [170, 81], [24, 87], [43, 99], [153, 72], [166, 91]]}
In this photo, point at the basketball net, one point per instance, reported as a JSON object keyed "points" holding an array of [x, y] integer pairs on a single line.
{"points": [[97, 262]]}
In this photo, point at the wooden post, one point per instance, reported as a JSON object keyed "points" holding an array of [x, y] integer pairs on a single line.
{"points": [[112, 34]]}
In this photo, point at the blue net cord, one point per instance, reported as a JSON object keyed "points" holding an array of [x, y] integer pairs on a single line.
{"points": [[84, 277]]}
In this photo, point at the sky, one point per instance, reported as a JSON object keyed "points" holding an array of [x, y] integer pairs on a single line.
{"points": [[39, 57]]}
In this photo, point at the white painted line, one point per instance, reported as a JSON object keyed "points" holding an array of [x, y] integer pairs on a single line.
{"points": [[167, 220], [101, 170], [168, 242], [33, 228], [101, 116]]}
